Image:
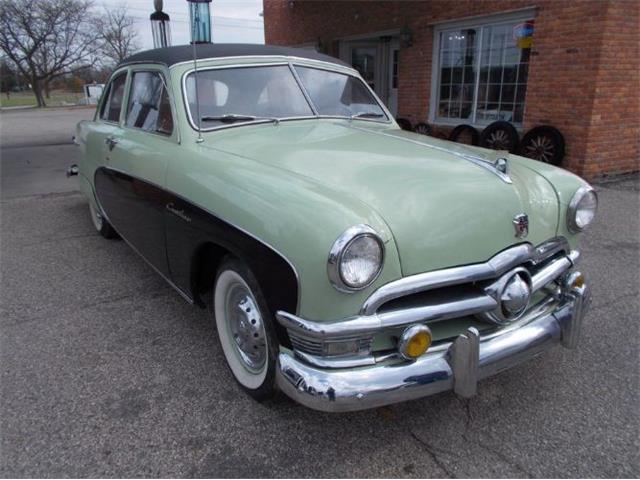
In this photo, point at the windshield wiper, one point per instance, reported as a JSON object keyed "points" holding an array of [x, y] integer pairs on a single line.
{"points": [[366, 115], [235, 117]]}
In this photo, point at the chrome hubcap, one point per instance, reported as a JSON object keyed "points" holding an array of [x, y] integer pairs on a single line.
{"points": [[96, 217], [246, 327]]}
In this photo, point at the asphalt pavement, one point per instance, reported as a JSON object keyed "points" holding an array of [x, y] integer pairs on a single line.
{"points": [[106, 372]]}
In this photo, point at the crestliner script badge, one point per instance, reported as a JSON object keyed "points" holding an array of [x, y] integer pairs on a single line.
{"points": [[179, 213], [521, 224]]}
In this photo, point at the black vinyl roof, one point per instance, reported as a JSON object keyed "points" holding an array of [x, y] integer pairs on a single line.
{"points": [[171, 55]]}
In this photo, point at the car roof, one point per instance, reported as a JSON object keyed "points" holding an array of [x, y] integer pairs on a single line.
{"points": [[172, 55]]}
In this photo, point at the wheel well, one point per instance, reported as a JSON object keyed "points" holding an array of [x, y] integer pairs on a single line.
{"points": [[204, 266]]}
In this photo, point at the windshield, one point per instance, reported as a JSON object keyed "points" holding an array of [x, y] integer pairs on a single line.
{"points": [[245, 94], [268, 93], [338, 94]]}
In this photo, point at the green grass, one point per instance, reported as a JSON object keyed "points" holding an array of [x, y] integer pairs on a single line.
{"points": [[25, 99]]}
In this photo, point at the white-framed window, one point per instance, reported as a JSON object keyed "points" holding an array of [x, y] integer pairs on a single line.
{"points": [[480, 69]]}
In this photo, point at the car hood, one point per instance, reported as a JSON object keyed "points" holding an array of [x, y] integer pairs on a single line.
{"points": [[443, 210]]}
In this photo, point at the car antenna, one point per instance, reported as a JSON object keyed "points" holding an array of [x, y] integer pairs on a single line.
{"points": [[194, 22]]}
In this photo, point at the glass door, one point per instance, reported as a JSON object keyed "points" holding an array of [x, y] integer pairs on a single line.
{"points": [[364, 58]]}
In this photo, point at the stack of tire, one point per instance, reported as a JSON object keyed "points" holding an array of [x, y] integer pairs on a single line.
{"points": [[544, 143]]}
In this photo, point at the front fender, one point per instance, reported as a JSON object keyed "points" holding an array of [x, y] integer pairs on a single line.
{"points": [[293, 215], [565, 185]]}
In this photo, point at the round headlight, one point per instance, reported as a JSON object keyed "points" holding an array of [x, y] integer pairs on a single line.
{"points": [[582, 209], [356, 258]]}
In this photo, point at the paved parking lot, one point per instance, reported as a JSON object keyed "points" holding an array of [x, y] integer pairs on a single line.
{"points": [[106, 371]]}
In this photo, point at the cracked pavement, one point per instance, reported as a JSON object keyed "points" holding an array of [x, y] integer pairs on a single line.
{"points": [[106, 372]]}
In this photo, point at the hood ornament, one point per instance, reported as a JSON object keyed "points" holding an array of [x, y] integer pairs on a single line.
{"points": [[498, 166], [521, 224], [501, 165]]}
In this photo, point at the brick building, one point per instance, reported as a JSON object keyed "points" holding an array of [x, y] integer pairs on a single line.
{"points": [[571, 64]]}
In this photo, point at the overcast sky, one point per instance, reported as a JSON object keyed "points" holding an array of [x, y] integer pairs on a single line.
{"points": [[233, 21]]}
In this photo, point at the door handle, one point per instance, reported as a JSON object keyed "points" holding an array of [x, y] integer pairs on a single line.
{"points": [[111, 142]]}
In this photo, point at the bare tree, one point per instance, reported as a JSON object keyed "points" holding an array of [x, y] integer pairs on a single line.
{"points": [[47, 39], [118, 33]]}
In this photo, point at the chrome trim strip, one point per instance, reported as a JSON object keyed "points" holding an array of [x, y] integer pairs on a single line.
{"points": [[436, 313], [550, 273], [460, 367], [275, 58], [550, 248], [370, 324], [359, 325]]}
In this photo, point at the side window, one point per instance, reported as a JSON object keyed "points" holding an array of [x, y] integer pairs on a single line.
{"points": [[113, 104], [149, 107]]}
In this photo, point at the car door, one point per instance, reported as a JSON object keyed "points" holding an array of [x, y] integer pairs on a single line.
{"points": [[131, 183], [104, 126]]}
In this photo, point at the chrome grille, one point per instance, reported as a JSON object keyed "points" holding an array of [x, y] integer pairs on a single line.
{"points": [[320, 348], [311, 347]]}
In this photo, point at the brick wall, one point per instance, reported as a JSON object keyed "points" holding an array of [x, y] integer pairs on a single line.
{"points": [[583, 75]]}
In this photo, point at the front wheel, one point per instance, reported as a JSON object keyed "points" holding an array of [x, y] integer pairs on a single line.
{"points": [[103, 227], [245, 329]]}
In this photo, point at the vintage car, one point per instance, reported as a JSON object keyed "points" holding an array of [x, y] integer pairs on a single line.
{"points": [[347, 263]]}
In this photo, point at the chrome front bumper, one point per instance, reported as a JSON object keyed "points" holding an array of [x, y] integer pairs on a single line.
{"points": [[456, 366]]}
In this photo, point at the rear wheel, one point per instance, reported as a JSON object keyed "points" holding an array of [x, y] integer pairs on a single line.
{"points": [[101, 224], [245, 329]]}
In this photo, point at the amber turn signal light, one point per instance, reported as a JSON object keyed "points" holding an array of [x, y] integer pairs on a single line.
{"points": [[414, 341]]}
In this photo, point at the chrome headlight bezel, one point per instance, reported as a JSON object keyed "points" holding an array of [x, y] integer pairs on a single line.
{"points": [[340, 246], [574, 204]]}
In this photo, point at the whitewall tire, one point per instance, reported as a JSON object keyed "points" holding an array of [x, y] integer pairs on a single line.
{"points": [[244, 328], [100, 223]]}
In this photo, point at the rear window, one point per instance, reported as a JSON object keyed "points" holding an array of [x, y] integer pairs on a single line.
{"points": [[149, 108]]}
